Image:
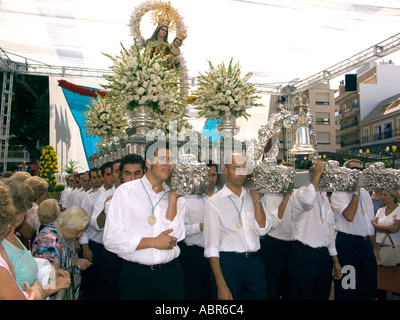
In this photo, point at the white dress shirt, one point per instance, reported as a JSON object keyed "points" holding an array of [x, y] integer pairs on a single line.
{"points": [[79, 198], [192, 208], [64, 196], [280, 228], [362, 223], [309, 227], [99, 207], [127, 223], [88, 205], [221, 233], [69, 201]]}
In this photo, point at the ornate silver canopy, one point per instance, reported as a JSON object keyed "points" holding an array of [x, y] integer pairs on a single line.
{"points": [[336, 178], [378, 177], [189, 176]]}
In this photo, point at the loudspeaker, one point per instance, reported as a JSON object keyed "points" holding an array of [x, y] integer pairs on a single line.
{"points": [[350, 82]]}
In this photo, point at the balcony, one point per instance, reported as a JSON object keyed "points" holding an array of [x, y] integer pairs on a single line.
{"points": [[381, 136]]}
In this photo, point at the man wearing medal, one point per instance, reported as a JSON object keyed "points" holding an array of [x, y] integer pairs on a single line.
{"points": [[313, 257], [233, 223], [143, 228], [355, 239]]}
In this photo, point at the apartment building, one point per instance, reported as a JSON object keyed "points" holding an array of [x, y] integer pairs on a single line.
{"points": [[366, 113]]}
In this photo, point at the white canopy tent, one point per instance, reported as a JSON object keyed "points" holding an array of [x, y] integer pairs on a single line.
{"points": [[278, 41]]}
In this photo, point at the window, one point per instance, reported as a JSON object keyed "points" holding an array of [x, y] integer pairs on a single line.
{"points": [[322, 98], [388, 133], [323, 137], [377, 133], [366, 135], [322, 118]]}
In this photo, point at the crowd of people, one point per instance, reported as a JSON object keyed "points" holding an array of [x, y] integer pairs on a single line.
{"points": [[120, 232]]}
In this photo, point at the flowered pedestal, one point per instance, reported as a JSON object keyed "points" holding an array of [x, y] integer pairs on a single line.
{"points": [[228, 127], [142, 118]]}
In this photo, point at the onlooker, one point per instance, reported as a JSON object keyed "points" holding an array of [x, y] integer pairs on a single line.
{"points": [[56, 243], [39, 187], [47, 212], [9, 289], [35, 167], [22, 195], [387, 227], [23, 166]]}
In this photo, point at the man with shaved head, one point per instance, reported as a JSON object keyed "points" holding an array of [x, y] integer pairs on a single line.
{"points": [[234, 221]]}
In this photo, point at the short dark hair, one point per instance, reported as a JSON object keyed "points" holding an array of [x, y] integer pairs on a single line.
{"points": [[94, 169], [105, 166], [210, 164], [114, 162], [132, 159]]}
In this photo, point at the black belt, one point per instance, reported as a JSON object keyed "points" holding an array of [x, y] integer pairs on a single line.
{"points": [[248, 254], [354, 236], [157, 266]]}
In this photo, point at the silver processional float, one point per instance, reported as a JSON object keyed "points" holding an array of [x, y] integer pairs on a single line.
{"points": [[191, 177]]}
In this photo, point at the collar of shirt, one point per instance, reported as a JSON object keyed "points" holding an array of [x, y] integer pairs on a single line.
{"points": [[214, 192], [226, 192], [149, 186]]}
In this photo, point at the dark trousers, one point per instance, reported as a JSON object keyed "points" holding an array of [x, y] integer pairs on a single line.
{"points": [[197, 272], [92, 280], [310, 272], [244, 276], [274, 254], [111, 270], [141, 282], [357, 252]]}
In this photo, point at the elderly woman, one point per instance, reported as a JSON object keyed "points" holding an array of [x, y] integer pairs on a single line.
{"points": [[25, 267], [9, 289], [56, 243], [387, 223], [39, 187]]}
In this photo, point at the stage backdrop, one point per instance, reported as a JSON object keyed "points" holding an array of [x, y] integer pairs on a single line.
{"points": [[66, 123]]}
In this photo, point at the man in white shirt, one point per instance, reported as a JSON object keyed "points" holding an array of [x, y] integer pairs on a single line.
{"points": [[355, 240], [65, 194], [85, 184], [133, 167], [196, 266], [276, 244], [233, 223], [76, 189], [143, 227], [92, 238], [313, 255]]}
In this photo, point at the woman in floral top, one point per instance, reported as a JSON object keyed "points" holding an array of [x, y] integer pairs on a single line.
{"points": [[56, 243]]}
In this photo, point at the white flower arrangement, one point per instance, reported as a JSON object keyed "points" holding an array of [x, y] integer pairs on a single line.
{"points": [[139, 79], [105, 119], [222, 91]]}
